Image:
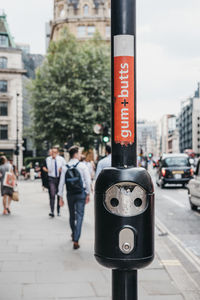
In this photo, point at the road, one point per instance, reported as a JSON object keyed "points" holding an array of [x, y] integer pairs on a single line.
{"points": [[175, 218], [173, 210]]}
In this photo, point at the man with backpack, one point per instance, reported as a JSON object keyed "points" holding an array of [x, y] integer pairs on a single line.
{"points": [[77, 178]]}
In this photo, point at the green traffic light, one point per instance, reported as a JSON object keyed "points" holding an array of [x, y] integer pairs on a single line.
{"points": [[106, 139]]}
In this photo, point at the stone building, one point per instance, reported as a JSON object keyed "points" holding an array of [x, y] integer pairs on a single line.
{"points": [[82, 17], [168, 134], [31, 63], [11, 71], [189, 123], [147, 137]]}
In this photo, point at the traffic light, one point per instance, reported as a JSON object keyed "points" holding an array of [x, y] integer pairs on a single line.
{"points": [[106, 137], [17, 150], [150, 155]]}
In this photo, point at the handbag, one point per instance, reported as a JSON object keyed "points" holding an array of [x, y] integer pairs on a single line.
{"points": [[61, 203], [15, 196], [9, 180]]}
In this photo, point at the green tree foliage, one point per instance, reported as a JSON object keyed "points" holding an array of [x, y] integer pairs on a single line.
{"points": [[71, 91]]}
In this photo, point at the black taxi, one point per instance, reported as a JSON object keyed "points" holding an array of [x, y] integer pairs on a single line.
{"points": [[174, 169]]}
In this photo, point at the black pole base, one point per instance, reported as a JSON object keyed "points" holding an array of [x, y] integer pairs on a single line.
{"points": [[124, 285]]}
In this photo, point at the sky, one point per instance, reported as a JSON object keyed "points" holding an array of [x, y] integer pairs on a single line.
{"points": [[168, 48]]}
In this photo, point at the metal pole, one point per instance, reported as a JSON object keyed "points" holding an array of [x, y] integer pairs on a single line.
{"points": [[123, 40], [124, 285], [123, 45], [17, 137]]}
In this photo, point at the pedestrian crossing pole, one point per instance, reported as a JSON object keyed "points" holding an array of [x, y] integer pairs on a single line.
{"points": [[123, 44], [124, 194]]}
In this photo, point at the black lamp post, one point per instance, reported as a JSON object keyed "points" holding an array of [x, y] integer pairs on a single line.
{"points": [[17, 130]]}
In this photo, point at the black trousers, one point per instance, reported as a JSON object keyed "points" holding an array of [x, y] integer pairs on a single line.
{"points": [[53, 190]]}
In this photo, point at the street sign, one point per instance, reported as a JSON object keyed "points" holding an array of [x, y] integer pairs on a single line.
{"points": [[97, 128]]}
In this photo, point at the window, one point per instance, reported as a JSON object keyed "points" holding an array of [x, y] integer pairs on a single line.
{"points": [[81, 31], [107, 31], [3, 108], [62, 12], [91, 30], [3, 62], [3, 40], [175, 162], [86, 10], [3, 132], [3, 86]]}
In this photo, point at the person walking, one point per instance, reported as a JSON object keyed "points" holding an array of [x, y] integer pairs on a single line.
{"points": [[44, 176], [78, 180], [54, 164], [7, 184], [105, 162]]}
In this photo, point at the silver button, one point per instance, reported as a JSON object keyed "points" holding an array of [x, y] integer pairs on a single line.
{"points": [[126, 240], [126, 247]]}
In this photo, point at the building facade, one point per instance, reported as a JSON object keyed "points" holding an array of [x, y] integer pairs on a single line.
{"points": [[11, 71], [168, 135], [147, 137], [189, 123], [82, 18]]}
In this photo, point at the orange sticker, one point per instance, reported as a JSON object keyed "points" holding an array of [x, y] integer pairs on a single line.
{"points": [[124, 100]]}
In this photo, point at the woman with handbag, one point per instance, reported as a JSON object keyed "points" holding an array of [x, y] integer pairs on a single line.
{"points": [[7, 184]]}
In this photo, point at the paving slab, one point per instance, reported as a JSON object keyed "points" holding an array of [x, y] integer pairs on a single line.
{"points": [[7, 249], [17, 277], [161, 297], [4, 256], [49, 298], [154, 274], [70, 276], [10, 291], [89, 298], [160, 287], [58, 290], [102, 289]]}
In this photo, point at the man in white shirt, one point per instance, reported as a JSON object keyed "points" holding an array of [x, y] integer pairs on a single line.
{"points": [[54, 163], [105, 162], [76, 201]]}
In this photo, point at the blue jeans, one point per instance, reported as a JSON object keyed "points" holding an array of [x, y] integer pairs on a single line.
{"points": [[76, 204]]}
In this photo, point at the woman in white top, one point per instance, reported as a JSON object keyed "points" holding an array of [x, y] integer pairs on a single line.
{"points": [[6, 191]]}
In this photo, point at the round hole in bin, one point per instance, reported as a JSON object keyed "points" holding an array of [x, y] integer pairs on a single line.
{"points": [[114, 202], [138, 202]]}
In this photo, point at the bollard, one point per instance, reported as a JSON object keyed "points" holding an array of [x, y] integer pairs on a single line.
{"points": [[32, 174], [124, 194]]}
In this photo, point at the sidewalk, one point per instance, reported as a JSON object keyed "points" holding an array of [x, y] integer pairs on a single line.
{"points": [[37, 260]]}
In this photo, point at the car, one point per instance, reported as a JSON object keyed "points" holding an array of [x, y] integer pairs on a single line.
{"points": [[174, 169], [194, 189]]}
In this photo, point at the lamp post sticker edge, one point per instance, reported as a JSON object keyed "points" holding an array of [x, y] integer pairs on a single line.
{"points": [[124, 131]]}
